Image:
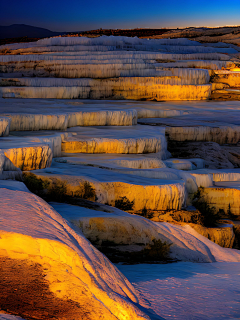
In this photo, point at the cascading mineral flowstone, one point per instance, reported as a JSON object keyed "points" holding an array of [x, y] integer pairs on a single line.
{"points": [[115, 140], [106, 68], [51, 115], [29, 150]]}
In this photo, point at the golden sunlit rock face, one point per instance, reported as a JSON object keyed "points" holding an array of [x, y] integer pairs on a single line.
{"points": [[30, 158], [137, 92], [73, 145], [179, 92], [227, 199]]}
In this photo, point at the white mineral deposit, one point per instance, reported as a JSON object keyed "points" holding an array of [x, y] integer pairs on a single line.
{"points": [[120, 174]]}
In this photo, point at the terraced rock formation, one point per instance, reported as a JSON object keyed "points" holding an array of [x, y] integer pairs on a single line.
{"points": [[147, 151], [116, 67]]}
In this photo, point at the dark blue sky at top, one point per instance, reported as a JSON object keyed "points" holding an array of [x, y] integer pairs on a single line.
{"points": [[77, 15]]}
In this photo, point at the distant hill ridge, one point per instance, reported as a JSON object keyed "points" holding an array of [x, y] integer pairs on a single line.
{"points": [[26, 33], [23, 30]]}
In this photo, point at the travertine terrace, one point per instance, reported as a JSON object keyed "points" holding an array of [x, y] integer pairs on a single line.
{"points": [[94, 122], [117, 67]]}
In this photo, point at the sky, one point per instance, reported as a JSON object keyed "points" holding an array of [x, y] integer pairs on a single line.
{"points": [[80, 15]]}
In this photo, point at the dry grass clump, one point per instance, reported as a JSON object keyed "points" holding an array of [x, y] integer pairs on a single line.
{"points": [[210, 216], [124, 204]]}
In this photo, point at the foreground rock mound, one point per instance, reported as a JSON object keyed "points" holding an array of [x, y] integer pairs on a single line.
{"points": [[65, 274]]}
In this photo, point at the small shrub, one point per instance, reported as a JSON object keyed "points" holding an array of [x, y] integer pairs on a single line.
{"points": [[210, 216], [221, 213], [146, 213], [85, 191], [21, 166], [33, 183], [229, 212], [124, 204], [57, 191], [198, 193], [88, 191]]}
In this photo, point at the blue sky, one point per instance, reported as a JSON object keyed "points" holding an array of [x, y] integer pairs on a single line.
{"points": [[80, 15]]}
